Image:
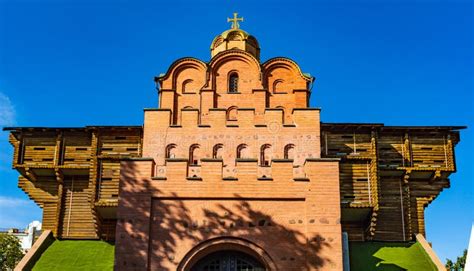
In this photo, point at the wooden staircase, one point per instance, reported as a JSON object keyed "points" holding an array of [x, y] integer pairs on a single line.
{"points": [[77, 220]]}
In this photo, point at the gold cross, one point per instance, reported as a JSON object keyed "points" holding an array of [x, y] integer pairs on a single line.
{"points": [[235, 21]]}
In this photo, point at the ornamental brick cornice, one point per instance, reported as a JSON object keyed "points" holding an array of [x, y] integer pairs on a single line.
{"points": [[177, 63], [266, 66]]}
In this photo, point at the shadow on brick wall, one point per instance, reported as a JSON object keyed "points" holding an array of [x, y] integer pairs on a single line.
{"points": [[155, 233]]}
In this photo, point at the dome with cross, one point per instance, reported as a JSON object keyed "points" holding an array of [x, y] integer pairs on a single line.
{"points": [[235, 38]]}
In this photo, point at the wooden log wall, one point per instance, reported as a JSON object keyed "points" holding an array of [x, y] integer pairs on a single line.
{"points": [[77, 217], [340, 144], [76, 149], [407, 166], [49, 216], [112, 148], [391, 224], [109, 180], [51, 160], [41, 191], [127, 144], [354, 177], [391, 152], [429, 151], [38, 150], [422, 193], [108, 229], [355, 230]]}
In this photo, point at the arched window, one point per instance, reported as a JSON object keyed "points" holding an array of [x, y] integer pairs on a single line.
{"points": [[194, 155], [233, 82], [217, 151], [278, 86], [231, 113], [282, 113], [289, 152], [242, 151], [265, 155], [186, 88], [170, 151], [228, 260]]}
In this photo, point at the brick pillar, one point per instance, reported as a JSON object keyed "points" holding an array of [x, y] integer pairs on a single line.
{"points": [[133, 215], [324, 214]]}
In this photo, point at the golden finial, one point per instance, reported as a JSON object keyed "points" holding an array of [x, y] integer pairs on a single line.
{"points": [[235, 21]]}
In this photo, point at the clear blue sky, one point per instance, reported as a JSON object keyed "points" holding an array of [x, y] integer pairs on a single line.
{"points": [[76, 63]]}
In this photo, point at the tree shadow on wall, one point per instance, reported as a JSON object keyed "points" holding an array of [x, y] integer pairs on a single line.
{"points": [[178, 223]]}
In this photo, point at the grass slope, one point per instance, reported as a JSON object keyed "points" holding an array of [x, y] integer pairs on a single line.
{"points": [[366, 256], [77, 255]]}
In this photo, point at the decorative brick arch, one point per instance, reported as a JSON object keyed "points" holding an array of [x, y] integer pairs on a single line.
{"points": [[231, 113], [226, 243], [196, 68], [288, 75], [246, 65]]}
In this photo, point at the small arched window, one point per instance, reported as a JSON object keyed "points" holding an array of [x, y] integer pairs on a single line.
{"points": [[233, 82], [265, 155], [186, 88], [194, 155], [242, 151], [282, 113], [170, 151], [278, 86], [231, 113], [217, 151], [289, 152]]}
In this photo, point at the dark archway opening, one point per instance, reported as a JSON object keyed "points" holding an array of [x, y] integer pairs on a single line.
{"points": [[228, 260]]}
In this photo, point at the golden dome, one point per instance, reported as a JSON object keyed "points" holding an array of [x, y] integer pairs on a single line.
{"points": [[235, 38]]}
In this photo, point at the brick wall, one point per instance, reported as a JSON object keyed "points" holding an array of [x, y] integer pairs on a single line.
{"points": [[295, 221], [268, 185]]}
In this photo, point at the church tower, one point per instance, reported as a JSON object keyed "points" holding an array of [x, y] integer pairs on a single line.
{"points": [[234, 167]]}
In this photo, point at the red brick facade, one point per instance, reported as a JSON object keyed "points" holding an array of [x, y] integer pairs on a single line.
{"points": [[231, 168]]}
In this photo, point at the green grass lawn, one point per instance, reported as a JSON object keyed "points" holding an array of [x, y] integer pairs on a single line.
{"points": [[367, 256], [77, 255]]}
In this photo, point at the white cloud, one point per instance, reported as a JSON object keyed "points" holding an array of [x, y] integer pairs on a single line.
{"points": [[7, 111], [17, 212], [13, 202]]}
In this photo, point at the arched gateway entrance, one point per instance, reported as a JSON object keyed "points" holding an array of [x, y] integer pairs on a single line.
{"points": [[227, 254], [228, 260]]}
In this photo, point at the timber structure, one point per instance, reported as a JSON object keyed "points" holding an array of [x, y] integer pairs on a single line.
{"points": [[388, 175], [73, 175]]}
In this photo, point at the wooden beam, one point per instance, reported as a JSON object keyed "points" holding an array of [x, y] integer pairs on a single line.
{"points": [[59, 175], [31, 175], [450, 164], [58, 149], [406, 176], [93, 175], [407, 211], [16, 143], [374, 185], [407, 151], [60, 181], [435, 176]]}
